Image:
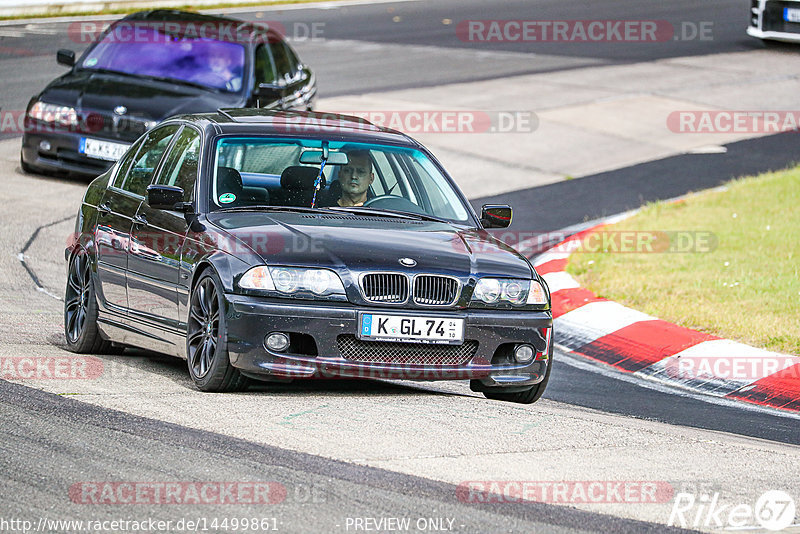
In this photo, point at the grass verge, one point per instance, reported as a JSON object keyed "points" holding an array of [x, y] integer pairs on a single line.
{"points": [[747, 287]]}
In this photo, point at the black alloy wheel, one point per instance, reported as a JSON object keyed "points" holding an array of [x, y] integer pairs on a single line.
{"points": [[80, 309], [206, 339]]}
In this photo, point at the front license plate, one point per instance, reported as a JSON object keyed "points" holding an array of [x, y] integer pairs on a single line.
{"points": [[94, 148], [791, 14], [436, 330]]}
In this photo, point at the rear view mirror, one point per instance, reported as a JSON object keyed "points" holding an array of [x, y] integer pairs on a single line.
{"points": [[65, 57], [165, 197], [496, 216], [315, 157]]}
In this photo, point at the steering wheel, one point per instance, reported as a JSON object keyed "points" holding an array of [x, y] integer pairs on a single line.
{"points": [[393, 202]]}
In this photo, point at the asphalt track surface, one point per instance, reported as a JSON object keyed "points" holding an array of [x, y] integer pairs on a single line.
{"points": [[53, 432], [39, 423]]}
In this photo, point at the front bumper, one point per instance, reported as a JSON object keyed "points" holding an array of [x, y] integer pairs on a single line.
{"points": [[63, 155], [250, 319], [786, 37]]}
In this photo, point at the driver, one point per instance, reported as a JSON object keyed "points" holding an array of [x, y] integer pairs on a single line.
{"points": [[221, 67], [355, 178]]}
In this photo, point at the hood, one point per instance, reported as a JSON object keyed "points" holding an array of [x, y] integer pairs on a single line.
{"points": [[151, 100], [351, 243]]}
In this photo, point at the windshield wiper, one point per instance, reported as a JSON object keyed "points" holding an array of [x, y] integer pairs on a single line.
{"points": [[389, 213], [151, 77], [177, 81]]}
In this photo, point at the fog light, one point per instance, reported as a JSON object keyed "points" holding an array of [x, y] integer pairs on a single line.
{"points": [[277, 342], [524, 353], [44, 145]]}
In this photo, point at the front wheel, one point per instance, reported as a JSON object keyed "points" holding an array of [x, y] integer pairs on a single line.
{"points": [[25, 167], [529, 396], [206, 339]]}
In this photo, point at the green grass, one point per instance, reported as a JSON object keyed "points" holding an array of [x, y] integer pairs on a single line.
{"points": [[747, 288], [66, 12]]}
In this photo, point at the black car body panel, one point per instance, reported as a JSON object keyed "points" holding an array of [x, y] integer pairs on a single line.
{"points": [[96, 94], [145, 263]]}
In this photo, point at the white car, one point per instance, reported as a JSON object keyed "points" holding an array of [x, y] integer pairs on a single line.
{"points": [[777, 20]]}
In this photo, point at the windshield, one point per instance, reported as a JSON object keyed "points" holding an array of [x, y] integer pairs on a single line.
{"points": [[268, 172], [143, 50]]}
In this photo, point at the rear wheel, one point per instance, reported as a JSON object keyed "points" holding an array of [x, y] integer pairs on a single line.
{"points": [[80, 309], [206, 339]]}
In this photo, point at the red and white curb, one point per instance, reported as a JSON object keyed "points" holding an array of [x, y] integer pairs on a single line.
{"points": [[650, 348]]}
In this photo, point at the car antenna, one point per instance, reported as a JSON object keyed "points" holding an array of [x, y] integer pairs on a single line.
{"points": [[226, 114]]}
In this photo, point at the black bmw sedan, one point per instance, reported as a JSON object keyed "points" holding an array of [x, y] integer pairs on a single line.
{"points": [[149, 66], [260, 245]]}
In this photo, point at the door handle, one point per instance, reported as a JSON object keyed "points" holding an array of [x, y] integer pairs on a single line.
{"points": [[103, 209], [140, 220]]}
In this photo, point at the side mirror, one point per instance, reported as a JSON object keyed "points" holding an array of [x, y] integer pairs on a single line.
{"points": [[496, 216], [165, 197], [65, 57], [268, 92]]}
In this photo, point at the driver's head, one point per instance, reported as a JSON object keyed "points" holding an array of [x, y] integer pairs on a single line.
{"points": [[356, 177]]}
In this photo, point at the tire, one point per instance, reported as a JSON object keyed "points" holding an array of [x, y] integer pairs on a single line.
{"points": [[528, 396], [25, 167], [206, 339], [80, 310]]}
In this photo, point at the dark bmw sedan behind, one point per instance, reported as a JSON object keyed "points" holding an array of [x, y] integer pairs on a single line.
{"points": [[147, 67]]}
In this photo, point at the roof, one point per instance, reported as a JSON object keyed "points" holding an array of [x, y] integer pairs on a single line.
{"points": [[299, 123], [216, 26]]}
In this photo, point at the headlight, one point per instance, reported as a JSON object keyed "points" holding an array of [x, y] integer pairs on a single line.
{"points": [[509, 291], [63, 115], [294, 282]]}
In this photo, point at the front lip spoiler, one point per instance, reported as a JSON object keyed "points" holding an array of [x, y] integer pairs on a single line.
{"points": [[786, 37], [339, 368]]}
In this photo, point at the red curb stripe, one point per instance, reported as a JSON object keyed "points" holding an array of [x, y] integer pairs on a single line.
{"points": [[781, 390], [566, 300], [642, 344], [552, 266]]}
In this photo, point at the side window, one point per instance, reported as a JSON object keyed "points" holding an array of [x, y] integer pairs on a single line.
{"points": [[283, 64], [146, 161], [264, 72], [294, 62], [181, 165], [125, 163], [385, 175]]}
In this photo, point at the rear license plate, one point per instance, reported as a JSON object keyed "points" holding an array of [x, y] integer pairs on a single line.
{"points": [[94, 148], [791, 14], [434, 330]]}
